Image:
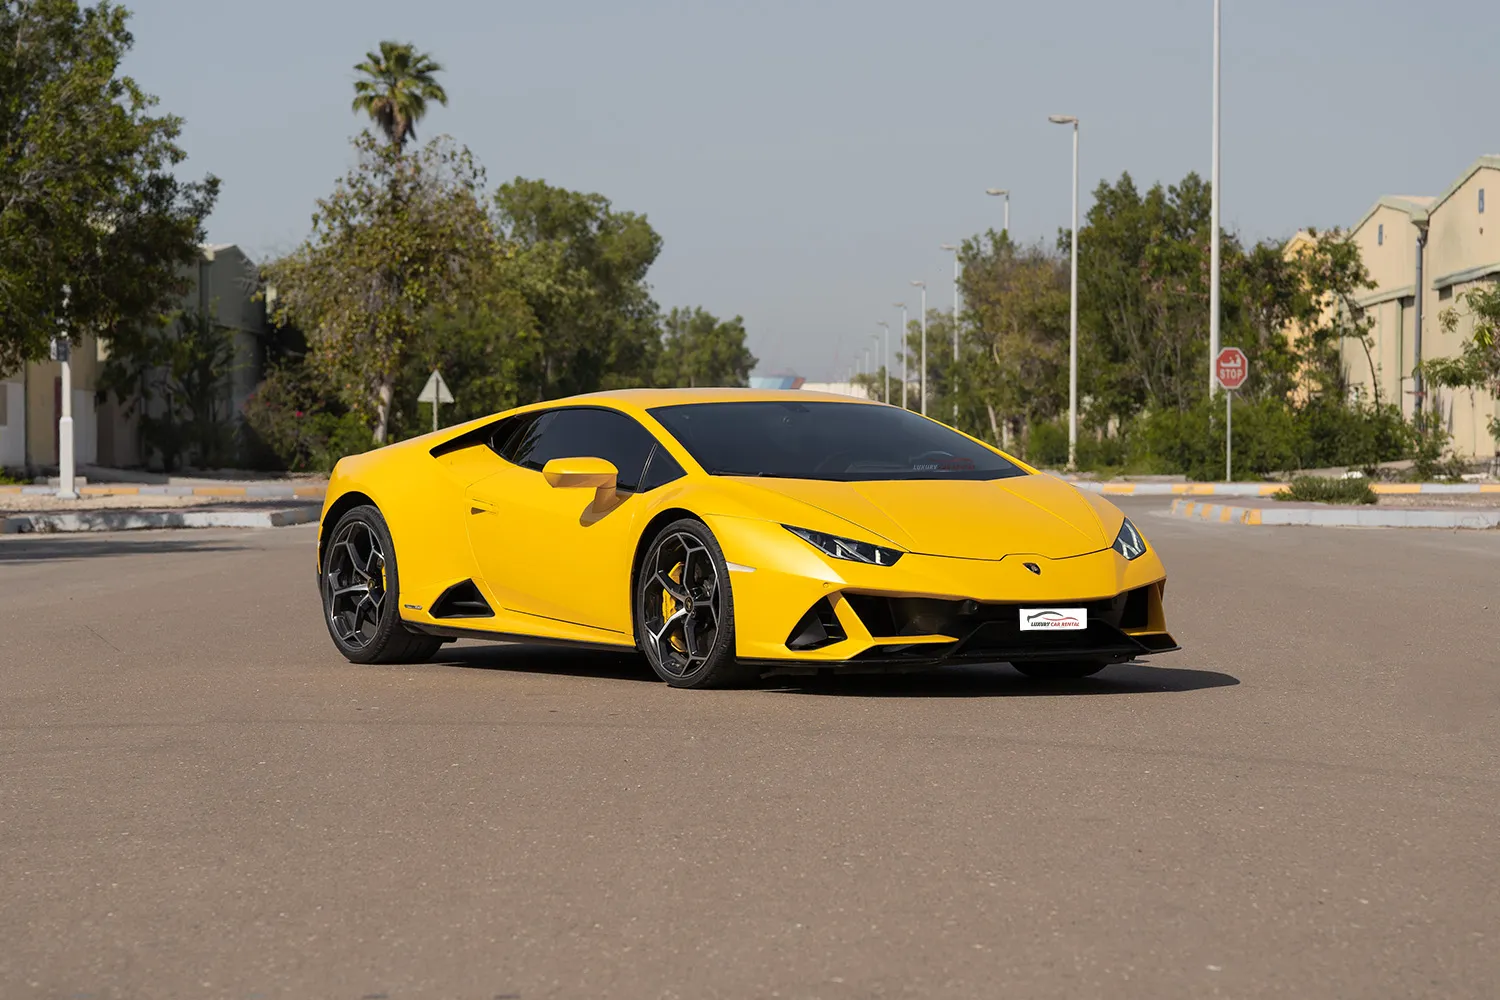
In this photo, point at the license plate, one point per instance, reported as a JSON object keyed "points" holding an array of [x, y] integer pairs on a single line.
{"points": [[1054, 619]]}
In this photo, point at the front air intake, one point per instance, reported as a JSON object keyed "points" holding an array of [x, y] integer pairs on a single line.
{"points": [[462, 600], [818, 628]]}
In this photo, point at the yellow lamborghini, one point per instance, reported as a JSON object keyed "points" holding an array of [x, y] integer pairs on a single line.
{"points": [[728, 534]]}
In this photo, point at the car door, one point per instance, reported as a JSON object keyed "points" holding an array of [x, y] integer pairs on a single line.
{"points": [[555, 552]]}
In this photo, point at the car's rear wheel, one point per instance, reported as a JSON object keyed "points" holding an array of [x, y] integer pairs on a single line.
{"points": [[360, 588], [1062, 670], [684, 609]]}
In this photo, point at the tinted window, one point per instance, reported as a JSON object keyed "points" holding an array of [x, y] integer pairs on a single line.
{"points": [[661, 470], [578, 433], [844, 442]]}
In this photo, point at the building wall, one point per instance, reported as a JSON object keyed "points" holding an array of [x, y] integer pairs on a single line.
{"points": [[1461, 238], [13, 423]]}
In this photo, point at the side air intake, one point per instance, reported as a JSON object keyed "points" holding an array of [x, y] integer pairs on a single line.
{"points": [[818, 628], [462, 600]]}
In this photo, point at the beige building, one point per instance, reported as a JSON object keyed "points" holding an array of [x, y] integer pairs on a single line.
{"points": [[1454, 239], [222, 284]]}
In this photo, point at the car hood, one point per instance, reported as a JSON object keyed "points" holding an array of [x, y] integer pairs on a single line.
{"points": [[971, 519]]}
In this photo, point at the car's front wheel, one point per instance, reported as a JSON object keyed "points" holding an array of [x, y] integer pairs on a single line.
{"points": [[684, 609], [1064, 670], [360, 588]]}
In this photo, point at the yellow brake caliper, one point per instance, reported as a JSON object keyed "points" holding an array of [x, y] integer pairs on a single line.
{"points": [[669, 607]]}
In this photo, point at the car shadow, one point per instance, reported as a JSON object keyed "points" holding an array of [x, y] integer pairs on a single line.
{"points": [[968, 681], [999, 680], [48, 547], [539, 658]]}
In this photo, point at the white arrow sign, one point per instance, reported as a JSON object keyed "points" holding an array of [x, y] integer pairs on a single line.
{"points": [[435, 392]]}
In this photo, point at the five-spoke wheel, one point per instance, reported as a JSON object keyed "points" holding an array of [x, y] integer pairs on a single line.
{"points": [[685, 610], [359, 585]]}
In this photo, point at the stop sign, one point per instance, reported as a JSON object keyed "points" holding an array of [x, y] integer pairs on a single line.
{"points": [[1232, 368]]}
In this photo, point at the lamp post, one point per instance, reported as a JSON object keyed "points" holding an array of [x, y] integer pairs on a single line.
{"points": [[885, 361], [902, 342], [923, 285], [1072, 302], [953, 380], [1002, 193], [61, 351], [1213, 255]]}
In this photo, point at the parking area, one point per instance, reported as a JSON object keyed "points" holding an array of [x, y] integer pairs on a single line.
{"points": [[200, 798]]}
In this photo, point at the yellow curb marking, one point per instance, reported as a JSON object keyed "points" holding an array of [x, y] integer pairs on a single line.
{"points": [[110, 491], [1119, 488], [218, 491], [1489, 487], [309, 491], [1252, 517], [1397, 488]]}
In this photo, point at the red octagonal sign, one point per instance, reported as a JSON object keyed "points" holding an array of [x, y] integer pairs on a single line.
{"points": [[1232, 368]]}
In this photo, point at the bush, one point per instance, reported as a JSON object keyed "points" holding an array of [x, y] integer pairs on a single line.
{"points": [[1047, 445], [1323, 489], [300, 431]]}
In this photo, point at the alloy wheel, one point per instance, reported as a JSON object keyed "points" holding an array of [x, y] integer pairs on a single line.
{"points": [[354, 584], [683, 603]]}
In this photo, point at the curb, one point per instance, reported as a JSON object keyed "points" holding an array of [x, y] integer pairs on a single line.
{"points": [[248, 492], [1335, 517], [1267, 489], [137, 520]]}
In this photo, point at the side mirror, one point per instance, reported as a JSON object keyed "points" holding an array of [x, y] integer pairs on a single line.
{"points": [[581, 473]]}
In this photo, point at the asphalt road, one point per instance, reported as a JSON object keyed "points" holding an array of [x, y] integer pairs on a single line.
{"points": [[198, 798]]}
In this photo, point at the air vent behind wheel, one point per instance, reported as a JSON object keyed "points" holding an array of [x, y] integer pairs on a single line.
{"points": [[462, 600]]}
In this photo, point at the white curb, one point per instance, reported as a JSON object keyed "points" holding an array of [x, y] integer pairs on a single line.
{"points": [[137, 520], [1336, 517]]}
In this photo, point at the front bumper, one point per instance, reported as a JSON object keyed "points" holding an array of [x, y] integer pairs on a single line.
{"points": [[795, 607]]}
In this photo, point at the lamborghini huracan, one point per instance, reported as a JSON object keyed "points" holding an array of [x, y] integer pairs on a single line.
{"points": [[729, 534]]}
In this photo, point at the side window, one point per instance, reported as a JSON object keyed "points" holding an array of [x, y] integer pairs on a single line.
{"points": [[506, 437], [573, 433], [662, 469]]}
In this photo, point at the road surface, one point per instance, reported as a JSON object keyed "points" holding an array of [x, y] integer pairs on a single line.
{"points": [[200, 799]]}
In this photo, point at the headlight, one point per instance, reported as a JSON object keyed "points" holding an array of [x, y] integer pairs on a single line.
{"points": [[1129, 542], [846, 548]]}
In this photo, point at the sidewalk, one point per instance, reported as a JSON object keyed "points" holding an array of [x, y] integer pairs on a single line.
{"points": [[1338, 516], [1268, 489], [258, 491]]}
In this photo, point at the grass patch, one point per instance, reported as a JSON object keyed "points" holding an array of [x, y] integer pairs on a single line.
{"points": [[1321, 489], [7, 479]]}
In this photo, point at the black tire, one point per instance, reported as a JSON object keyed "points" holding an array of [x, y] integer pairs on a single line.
{"points": [[359, 587], [684, 609], [1064, 670]]}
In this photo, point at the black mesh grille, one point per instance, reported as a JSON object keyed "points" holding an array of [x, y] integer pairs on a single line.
{"points": [[462, 600]]}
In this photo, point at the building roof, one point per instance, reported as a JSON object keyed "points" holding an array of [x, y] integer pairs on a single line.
{"points": [[1492, 162], [1415, 206]]}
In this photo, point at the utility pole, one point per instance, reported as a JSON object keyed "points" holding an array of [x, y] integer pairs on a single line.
{"points": [[1213, 256], [886, 361], [62, 352], [953, 381], [923, 285], [904, 379], [1072, 303]]}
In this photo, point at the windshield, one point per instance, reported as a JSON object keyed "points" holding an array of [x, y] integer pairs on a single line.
{"points": [[843, 442]]}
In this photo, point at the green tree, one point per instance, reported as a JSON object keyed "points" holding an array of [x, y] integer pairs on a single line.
{"points": [[1477, 366], [1014, 344], [175, 378], [88, 198], [397, 83], [399, 236], [580, 267], [699, 349], [1333, 276]]}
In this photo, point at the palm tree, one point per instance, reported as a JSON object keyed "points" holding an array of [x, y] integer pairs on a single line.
{"points": [[398, 82]]}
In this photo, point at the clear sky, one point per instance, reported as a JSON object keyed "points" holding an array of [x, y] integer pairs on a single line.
{"points": [[803, 161]]}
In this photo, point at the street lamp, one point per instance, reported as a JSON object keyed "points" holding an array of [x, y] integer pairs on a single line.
{"points": [[1002, 193], [1213, 255], [954, 250], [904, 379], [885, 364], [61, 352], [1072, 302], [923, 285]]}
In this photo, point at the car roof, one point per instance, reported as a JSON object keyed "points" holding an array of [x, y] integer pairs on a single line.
{"points": [[648, 398]]}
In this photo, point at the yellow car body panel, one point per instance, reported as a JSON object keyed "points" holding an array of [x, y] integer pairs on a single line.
{"points": [[554, 559]]}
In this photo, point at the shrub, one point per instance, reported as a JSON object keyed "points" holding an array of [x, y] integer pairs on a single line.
{"points": [[301, 431], [1323, 489], [1047, 445]]}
